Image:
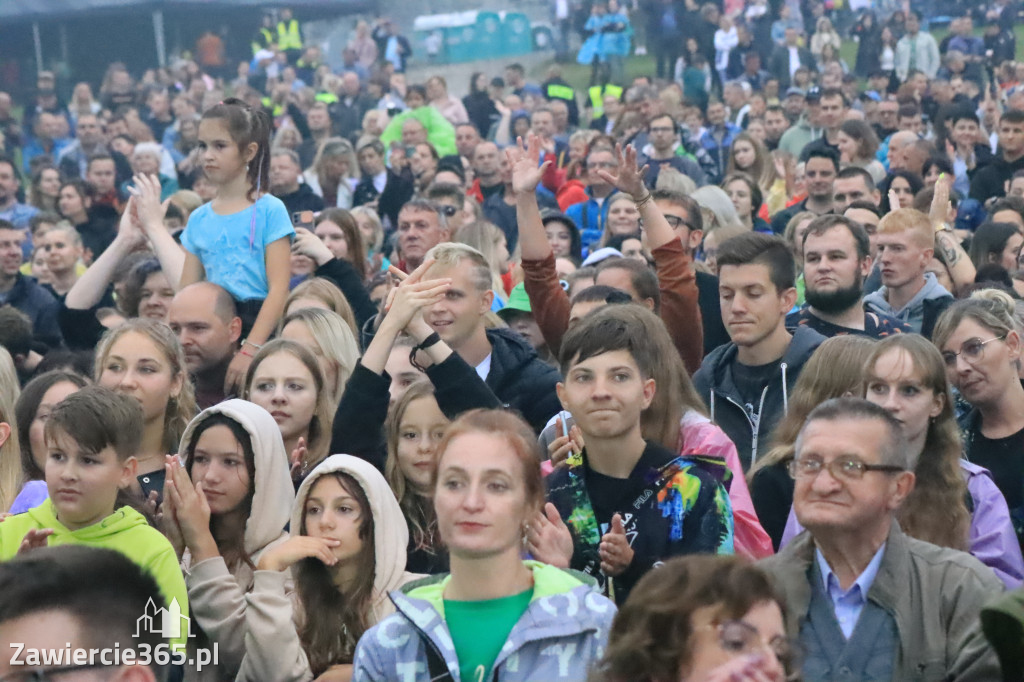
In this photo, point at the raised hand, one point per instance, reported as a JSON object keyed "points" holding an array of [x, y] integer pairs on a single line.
{"points": [[560, 448], [308, 244], [527, 170], [34, 539], [614, 550], [941, 207], [146, 192], [630, 178], [191, 507], [548, 538], [129, 229], [295, 549], [298, 456]]}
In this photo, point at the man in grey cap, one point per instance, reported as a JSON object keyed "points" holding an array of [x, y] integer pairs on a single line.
{"points": [[807, 127]]}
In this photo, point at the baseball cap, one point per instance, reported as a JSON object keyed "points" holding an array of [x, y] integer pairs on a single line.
{"points": [[795, 91]]}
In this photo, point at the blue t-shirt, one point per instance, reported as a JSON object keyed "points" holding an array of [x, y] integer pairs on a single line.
{"points": [[232, 255]]}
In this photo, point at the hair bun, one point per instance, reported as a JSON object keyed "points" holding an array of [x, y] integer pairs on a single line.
{"points": [[1000, 300]]}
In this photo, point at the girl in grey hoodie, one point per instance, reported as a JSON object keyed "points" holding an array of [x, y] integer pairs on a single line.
{"points": [[226, 502]]}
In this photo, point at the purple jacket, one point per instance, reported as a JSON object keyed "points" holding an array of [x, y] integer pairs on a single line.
{"points": [[993, 541]]}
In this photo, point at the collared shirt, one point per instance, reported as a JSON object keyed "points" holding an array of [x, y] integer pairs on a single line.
{"points": [[848, 605]]}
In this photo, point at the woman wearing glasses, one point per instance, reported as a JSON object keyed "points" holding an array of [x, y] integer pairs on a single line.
{"points": [[954, 502], [699, 618], [981, 350]]}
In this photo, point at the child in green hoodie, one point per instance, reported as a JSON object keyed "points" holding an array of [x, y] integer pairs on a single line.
{"points": [[90, 440]]}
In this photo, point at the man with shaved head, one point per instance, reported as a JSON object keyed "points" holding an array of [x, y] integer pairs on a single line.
{"points": [[897, 143], [204, 318]]}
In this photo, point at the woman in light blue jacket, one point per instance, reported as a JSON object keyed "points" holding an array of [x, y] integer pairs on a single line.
{"points": [[495, 616]]}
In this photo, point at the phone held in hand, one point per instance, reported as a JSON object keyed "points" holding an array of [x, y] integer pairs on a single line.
{"points": [[303, 219]]}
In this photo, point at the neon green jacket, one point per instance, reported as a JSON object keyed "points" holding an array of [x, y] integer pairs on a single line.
{"points": [[440, 132], [125, 531]]}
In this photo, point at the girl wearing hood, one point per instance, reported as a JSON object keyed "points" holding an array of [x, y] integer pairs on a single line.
{"points": [[346, 554], [495, 615], [228, 498]]}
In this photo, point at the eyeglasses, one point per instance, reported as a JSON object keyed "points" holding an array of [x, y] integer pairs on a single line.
{"points": [[449, 211], [741, 639], [973, 351], [662, 129], [48, 674], [841, 468], [675, 222]]}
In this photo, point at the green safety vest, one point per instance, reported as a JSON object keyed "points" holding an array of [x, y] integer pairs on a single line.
{"points": [[597, 94], [288, 37], [268, 40], [556, 91], [326, 97]]}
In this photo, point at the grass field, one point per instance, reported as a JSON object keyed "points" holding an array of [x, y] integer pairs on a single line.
{"points": [[578, 75]]}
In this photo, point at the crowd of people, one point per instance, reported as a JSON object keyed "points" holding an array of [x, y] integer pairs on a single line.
{"points": [[714, 374]]}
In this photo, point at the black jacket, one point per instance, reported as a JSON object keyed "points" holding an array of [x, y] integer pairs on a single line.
{"points": [[342, 274], [520, 379], [481, 111], [28, 296], [990, 181], [670, 506], [359, 421], [751, 435], [398, 189], [347, 116], [715, 333], [302, 199], [778, 65]]}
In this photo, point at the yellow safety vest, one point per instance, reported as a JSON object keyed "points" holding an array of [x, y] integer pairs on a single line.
{"points": [[597, 94], [288, 37], [268, 39]]}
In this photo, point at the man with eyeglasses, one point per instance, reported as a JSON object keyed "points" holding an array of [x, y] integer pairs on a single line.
{"points": [[665, 149], [73, 597], [592, 214], [866, 601]]}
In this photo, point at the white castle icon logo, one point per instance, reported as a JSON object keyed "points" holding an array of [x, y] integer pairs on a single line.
{"points": [[166, 622]]}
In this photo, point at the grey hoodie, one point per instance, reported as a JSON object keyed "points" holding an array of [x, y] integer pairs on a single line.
{"points": [[272, 647], [217, 591], [918, 312]]}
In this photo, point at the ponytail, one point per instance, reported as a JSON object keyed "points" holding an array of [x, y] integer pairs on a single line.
{"points": [[247, 125]]}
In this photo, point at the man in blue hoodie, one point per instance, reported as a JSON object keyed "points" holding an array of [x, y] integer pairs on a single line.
{"points": [[906, 243], [746, 383]]}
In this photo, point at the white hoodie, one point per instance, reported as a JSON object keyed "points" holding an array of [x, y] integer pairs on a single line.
{"points": [[272, 614], [216, 590]]}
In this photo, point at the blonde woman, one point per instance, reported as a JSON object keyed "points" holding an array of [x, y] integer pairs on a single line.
{"points": [[334, 172], [285, 379], [490, 241], [319, 292], [330, 338], [10, 451], [143, 358]]}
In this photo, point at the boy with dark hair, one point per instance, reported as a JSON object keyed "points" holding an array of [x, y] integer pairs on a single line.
{"points": [[990, 181], [80, 598], [747, 382], [628, 502], [91, 439]]}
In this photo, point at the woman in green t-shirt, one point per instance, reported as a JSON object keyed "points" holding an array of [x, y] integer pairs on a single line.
{"points": [[494, 615]]}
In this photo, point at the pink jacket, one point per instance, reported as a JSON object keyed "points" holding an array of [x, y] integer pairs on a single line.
{"points": [[698, 435]]}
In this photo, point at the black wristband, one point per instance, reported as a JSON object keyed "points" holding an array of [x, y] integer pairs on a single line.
{"points": [[431, 340], [428, 342]]}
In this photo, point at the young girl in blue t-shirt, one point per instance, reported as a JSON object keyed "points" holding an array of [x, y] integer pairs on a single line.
{"points": [[242, 239]]}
